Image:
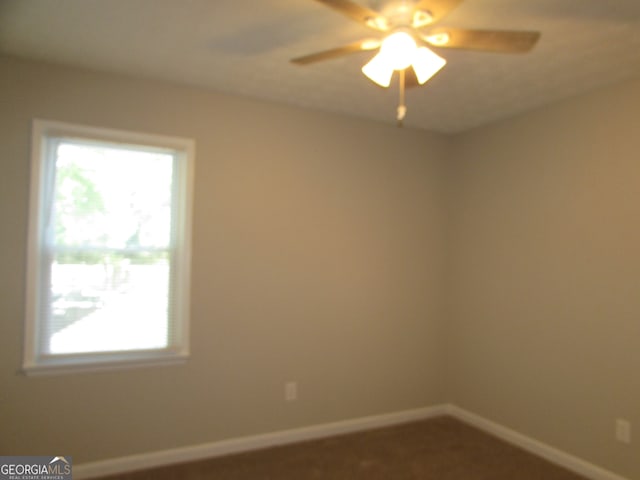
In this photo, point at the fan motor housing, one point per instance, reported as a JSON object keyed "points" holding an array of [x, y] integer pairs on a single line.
{"points": [[401, 13]]}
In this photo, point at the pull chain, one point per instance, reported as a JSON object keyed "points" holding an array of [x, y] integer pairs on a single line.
{"points": [[402, 108]]}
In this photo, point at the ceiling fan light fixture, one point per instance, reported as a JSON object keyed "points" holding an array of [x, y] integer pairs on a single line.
{"points": [[426, 64], [378, 70], [398, 52]]}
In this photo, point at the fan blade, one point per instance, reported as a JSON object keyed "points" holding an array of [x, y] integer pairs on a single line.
{"points": [[355, 47], [436, 9], [500, 41], [367, 17]]}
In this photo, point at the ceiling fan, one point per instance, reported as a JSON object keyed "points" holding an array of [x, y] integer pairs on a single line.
{"points": [[408, 32]]}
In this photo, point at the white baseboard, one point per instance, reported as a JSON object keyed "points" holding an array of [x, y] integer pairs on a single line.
{"points": [[570, 462], [237, 445]]}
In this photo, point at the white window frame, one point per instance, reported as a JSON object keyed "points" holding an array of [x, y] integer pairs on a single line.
{"points": [[36, 362]]}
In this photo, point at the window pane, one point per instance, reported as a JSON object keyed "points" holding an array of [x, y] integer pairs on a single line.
{"points": [[110, 271], [112, 197], [108, 267], [108, 302]]}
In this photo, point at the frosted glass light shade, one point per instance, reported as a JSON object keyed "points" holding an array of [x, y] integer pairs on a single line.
{"points": [[378, 70], [426, 64]]}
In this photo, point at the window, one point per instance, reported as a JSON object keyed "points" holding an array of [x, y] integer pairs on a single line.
{"points": [[108, 255]]}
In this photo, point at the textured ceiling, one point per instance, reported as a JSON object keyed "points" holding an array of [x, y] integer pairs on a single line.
{"points": [[244, 46]]}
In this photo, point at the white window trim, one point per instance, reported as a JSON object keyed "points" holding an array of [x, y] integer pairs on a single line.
{"points": [[34, 363]]}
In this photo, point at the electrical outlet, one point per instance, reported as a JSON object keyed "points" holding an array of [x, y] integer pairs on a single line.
{"points": [[290, 391], [623, 430]]}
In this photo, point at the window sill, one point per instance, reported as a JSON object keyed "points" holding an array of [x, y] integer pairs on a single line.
{"points": [[97, 363]]}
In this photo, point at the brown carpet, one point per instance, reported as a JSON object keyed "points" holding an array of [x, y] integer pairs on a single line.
{"points": [[439, 449]]}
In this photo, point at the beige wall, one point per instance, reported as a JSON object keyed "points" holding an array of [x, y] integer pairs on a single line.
{"points": [[317, 257], [544, 274]]}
